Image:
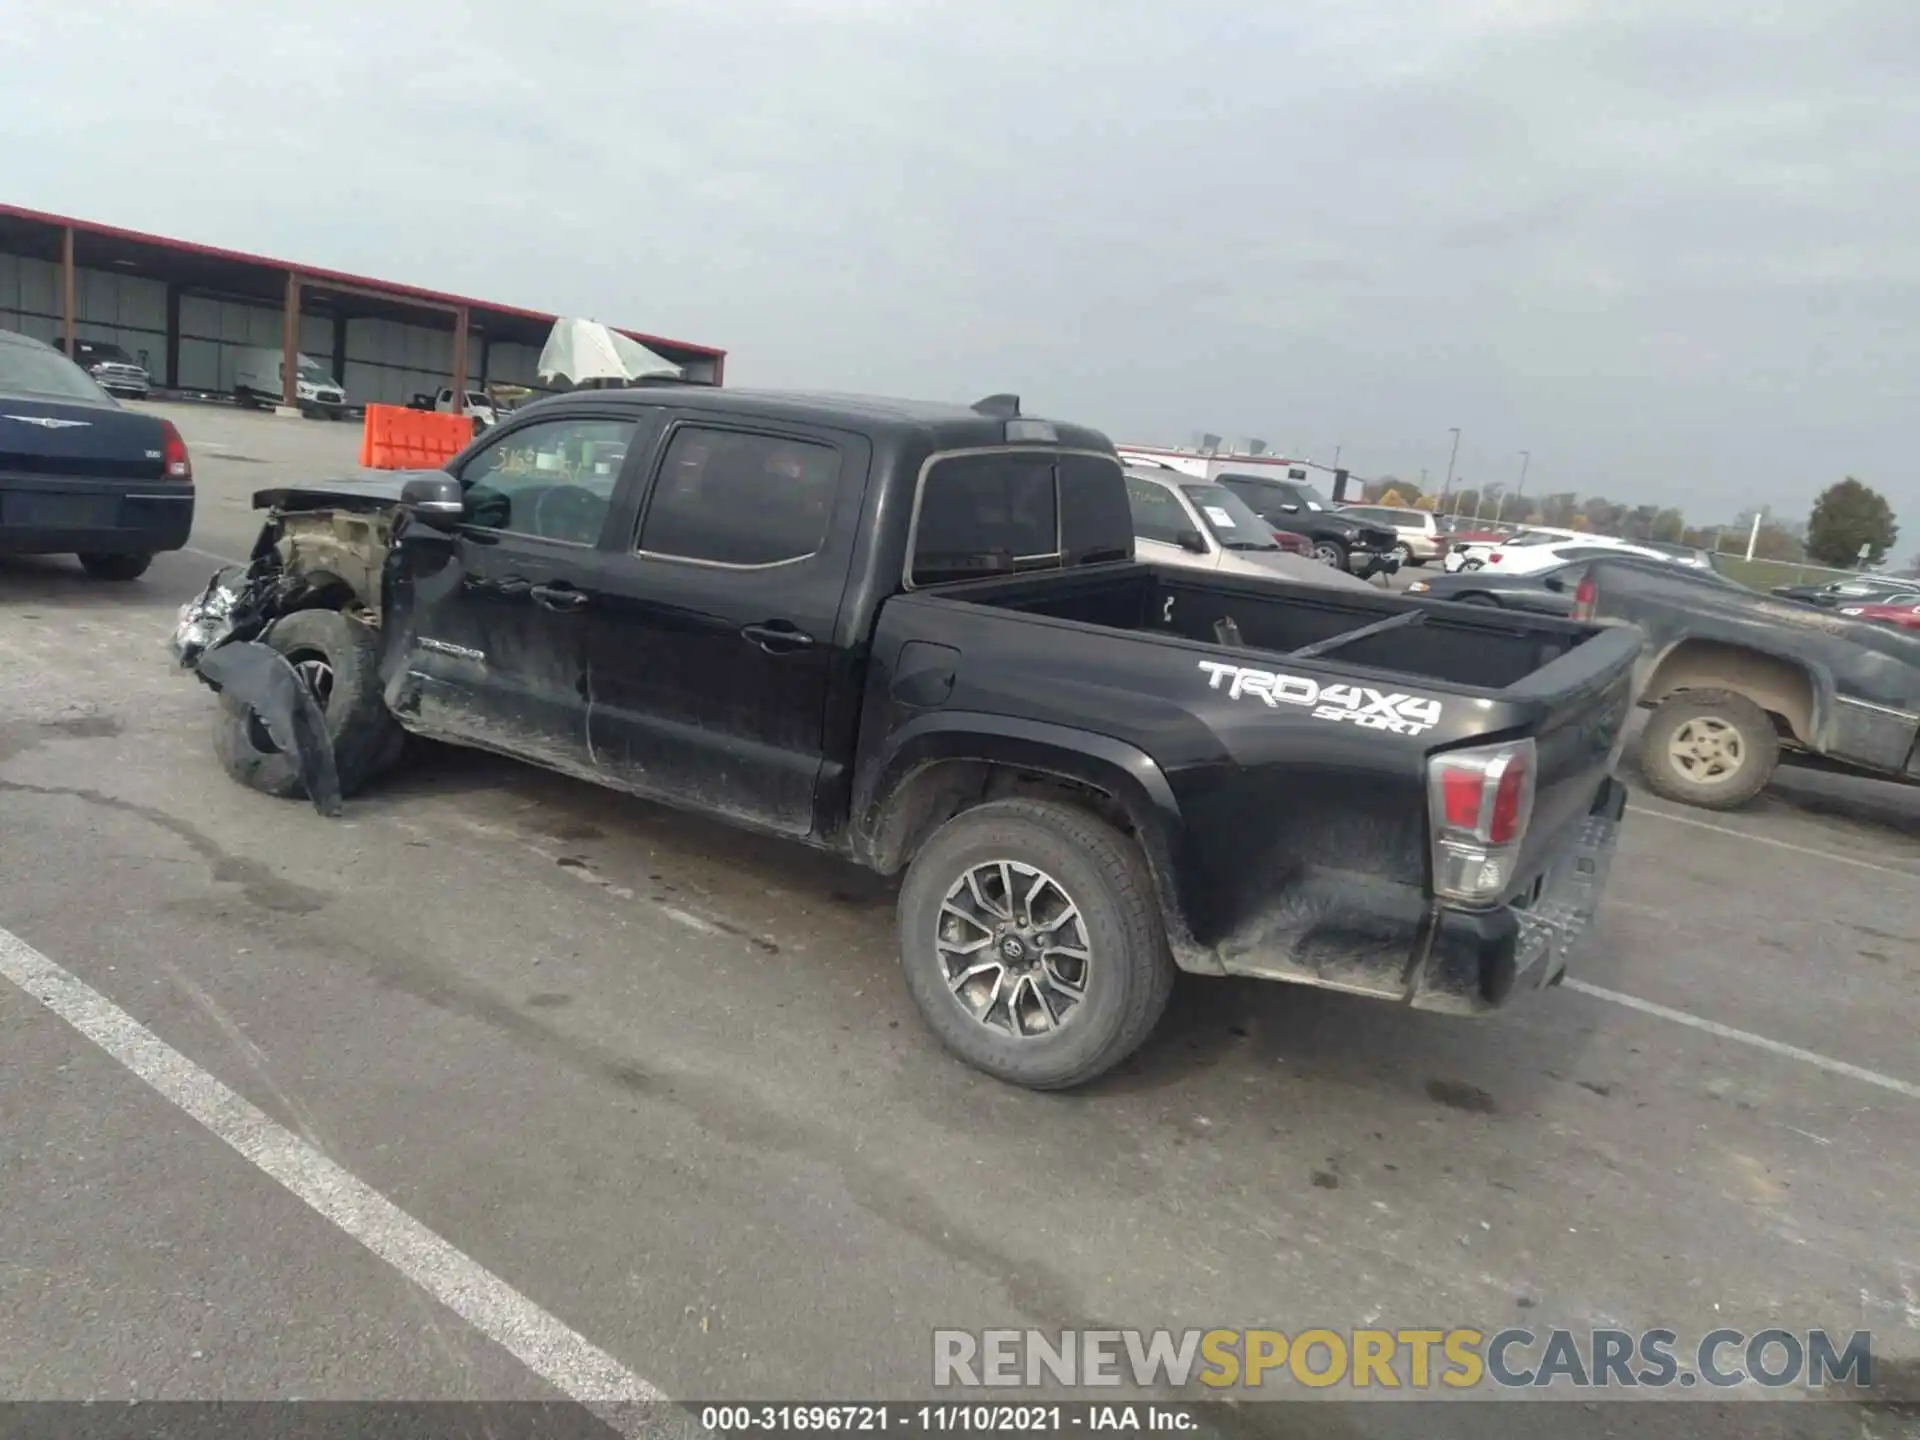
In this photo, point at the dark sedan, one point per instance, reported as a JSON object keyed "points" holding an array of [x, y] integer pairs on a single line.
{"points": [[82, 475], [1857, 590], [1543, 592]]}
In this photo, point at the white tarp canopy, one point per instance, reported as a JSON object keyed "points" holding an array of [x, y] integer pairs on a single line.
{"points": [[582, 350]]}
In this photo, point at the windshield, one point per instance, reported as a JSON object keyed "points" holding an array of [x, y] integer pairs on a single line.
{"points": [[1227, 516], [95, 350], [313, 370], [1313, 498], [34, 370]]}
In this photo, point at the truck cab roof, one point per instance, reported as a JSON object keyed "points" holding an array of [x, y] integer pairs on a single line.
{"points": [[946, 426]]}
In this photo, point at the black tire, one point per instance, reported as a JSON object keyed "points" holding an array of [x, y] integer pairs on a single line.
{"points": [[1127, 977], [116, 567], [367, 740], [1332, 552], [1731, 715]]}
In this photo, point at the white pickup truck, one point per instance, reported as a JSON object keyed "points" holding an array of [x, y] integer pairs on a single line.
{"points": [[478, 404]]}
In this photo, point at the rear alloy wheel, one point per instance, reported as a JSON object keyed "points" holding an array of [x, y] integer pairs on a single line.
{"points": [[1405, 552], [1710, 748], [1031, 941], [116, 567], [1330, 552], [1014, 947]]}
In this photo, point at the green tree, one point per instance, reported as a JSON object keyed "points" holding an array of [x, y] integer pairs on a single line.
{"points": [[1846, 516], [1558, 510], [1638, 522], [1604, 516]]}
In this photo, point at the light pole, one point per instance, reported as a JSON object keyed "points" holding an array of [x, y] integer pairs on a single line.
{"points": [[1518, 490], [1453, 455]]}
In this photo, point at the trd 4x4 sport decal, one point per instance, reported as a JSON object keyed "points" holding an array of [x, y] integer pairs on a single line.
{"points": [[1359, 704]]}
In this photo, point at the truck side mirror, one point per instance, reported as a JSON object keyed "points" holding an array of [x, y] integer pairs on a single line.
{"points": [[1191, 540], [434, 500]]}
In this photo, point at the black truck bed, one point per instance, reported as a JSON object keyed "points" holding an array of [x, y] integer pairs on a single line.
{"points": [[1457, 645], [1294, 783]]}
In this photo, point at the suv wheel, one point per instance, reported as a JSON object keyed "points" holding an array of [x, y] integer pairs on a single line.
{"points": [[1032, 943], [1330, 552], [123, 566]]}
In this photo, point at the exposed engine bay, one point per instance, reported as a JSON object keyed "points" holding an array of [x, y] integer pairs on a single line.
{"points": [[304, 559]]}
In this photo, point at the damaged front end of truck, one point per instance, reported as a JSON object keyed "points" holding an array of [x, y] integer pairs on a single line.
{"points": [[317, 550]]}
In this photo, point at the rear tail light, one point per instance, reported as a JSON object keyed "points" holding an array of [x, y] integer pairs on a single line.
{"points": [[1480, 802], [1586, 598], [173, 453]]}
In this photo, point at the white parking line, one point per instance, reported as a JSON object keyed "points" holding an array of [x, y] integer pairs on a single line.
{"points": [[565, 1359], [1777, 844], [209, 555], [1747, 1037]]}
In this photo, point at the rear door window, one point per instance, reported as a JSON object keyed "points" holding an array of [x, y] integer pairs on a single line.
{"points": [[729, 497], [1261, 496], [986, 514], [999, 511], [1157, 515]]}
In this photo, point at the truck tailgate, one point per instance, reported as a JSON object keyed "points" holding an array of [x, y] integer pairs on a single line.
{"points": [[1576, 710]]}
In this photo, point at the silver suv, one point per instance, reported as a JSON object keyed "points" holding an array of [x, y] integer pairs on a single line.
{"points": [[1419, 532], [1202, 525]]}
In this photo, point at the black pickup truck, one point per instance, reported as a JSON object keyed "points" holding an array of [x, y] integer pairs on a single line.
{"points": [[1738, 682], [916, 635]]}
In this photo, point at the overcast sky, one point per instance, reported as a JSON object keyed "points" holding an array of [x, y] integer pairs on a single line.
{"points": [[1672, 247]]}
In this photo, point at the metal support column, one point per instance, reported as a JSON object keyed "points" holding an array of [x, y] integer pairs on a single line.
{"points": [[290, 347], [340, 346], [460, 360], [66, 286], [172, 361]]}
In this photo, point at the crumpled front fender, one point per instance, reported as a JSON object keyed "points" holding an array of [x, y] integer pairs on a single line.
{"points": [[215, 639]]}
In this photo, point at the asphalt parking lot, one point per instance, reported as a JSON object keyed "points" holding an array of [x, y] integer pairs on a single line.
{"points": [[658, 1083]]}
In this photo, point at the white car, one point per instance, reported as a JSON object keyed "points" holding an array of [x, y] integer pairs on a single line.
{"points": [[1473, 555], [1531, 559], [1202, 525]]}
